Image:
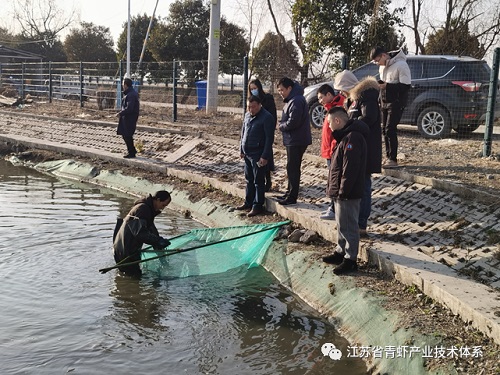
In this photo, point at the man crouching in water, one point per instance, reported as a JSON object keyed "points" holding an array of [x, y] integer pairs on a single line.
{"points": [[138, 228]]}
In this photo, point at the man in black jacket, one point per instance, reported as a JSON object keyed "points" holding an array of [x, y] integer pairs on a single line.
{"points": [[346, 185], [256, 148], [363, 104], [128, 116], [138, 228], [395, 82], [296, 130]]}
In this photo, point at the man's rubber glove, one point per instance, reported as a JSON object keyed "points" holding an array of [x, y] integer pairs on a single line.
{"points": [[162, 244]]}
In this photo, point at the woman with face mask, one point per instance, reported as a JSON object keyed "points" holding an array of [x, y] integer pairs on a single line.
{"points": [[267, 101]]}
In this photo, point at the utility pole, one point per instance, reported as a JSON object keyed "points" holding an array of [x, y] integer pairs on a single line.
{"points": [[128, 42], [146, 39], [213, 57]]}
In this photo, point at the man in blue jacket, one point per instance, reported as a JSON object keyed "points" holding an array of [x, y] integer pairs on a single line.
{"points": [[256, 148], [128, 117], [296, 130]]}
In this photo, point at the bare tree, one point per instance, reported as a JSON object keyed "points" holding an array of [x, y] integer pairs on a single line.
{"points": [[481, 19], [416, 7], [41, 20], [297, 30], [254, 13]]}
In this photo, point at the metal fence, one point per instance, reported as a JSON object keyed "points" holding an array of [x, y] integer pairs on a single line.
{"points": [[449, 95], [98, 85]]}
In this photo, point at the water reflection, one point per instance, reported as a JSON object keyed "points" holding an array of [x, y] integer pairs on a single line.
{"points": [[279, 333], [58, 314], [137, 303], [240, 322]]}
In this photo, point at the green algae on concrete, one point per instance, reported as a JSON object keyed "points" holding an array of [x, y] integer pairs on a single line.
{"points": [[356, 313]]}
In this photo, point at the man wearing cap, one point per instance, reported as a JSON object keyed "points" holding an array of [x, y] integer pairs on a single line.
{"points": [[395, 81]]}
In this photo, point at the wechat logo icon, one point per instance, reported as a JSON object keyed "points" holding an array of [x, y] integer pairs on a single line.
{"points": [[328, 349]]}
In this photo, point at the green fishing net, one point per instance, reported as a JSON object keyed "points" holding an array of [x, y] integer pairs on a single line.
{"points": [[211, 250]]}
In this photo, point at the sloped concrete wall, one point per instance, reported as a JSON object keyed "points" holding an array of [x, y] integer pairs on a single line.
{"points": [[358, 315]]}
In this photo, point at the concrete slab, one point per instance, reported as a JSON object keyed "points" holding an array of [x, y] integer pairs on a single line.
{"points": [[474, 302], [184, 150]]}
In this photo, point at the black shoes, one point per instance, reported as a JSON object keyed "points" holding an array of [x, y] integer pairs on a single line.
{"points": [[129, 156], [347, 266], [344, 265], [255, 211], [287, 201], [335, 258], [243, 207], [282, 197]]}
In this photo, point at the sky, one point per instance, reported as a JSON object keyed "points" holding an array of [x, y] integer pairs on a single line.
{"points": [[113, 13]]}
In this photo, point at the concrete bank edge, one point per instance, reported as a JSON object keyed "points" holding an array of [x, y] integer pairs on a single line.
{"points": [[471, 300]]}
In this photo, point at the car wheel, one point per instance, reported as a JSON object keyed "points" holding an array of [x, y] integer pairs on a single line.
{"points": [[434, 122], [466, 129], [317, 113]]}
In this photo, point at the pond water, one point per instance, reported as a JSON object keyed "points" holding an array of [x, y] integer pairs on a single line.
{"points": [[58, 314]]}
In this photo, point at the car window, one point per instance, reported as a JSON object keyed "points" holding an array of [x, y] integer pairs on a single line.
{"points": [[438, 68], [416, 69], [479, 71], [366, 70]]}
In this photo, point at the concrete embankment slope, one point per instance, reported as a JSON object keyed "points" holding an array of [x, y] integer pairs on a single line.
{"points": [[423, 236], [356, 312]]}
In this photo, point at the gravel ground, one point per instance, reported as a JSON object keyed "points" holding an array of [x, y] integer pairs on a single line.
{"points": [[454, 159]]}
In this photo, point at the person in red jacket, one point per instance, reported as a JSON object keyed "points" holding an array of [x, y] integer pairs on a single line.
{"points": [[328, 98]]}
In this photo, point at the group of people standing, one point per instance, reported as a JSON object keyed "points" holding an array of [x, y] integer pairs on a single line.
{"points": [[357, 117], [351, 143], [257, 137]]}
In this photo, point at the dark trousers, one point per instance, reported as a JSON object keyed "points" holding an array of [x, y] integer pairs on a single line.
{"points": [[270, 168], [390, 120], [133, 269], [129, 141], [268, 182], [255, 190], [294, 156], [365, 206]]}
